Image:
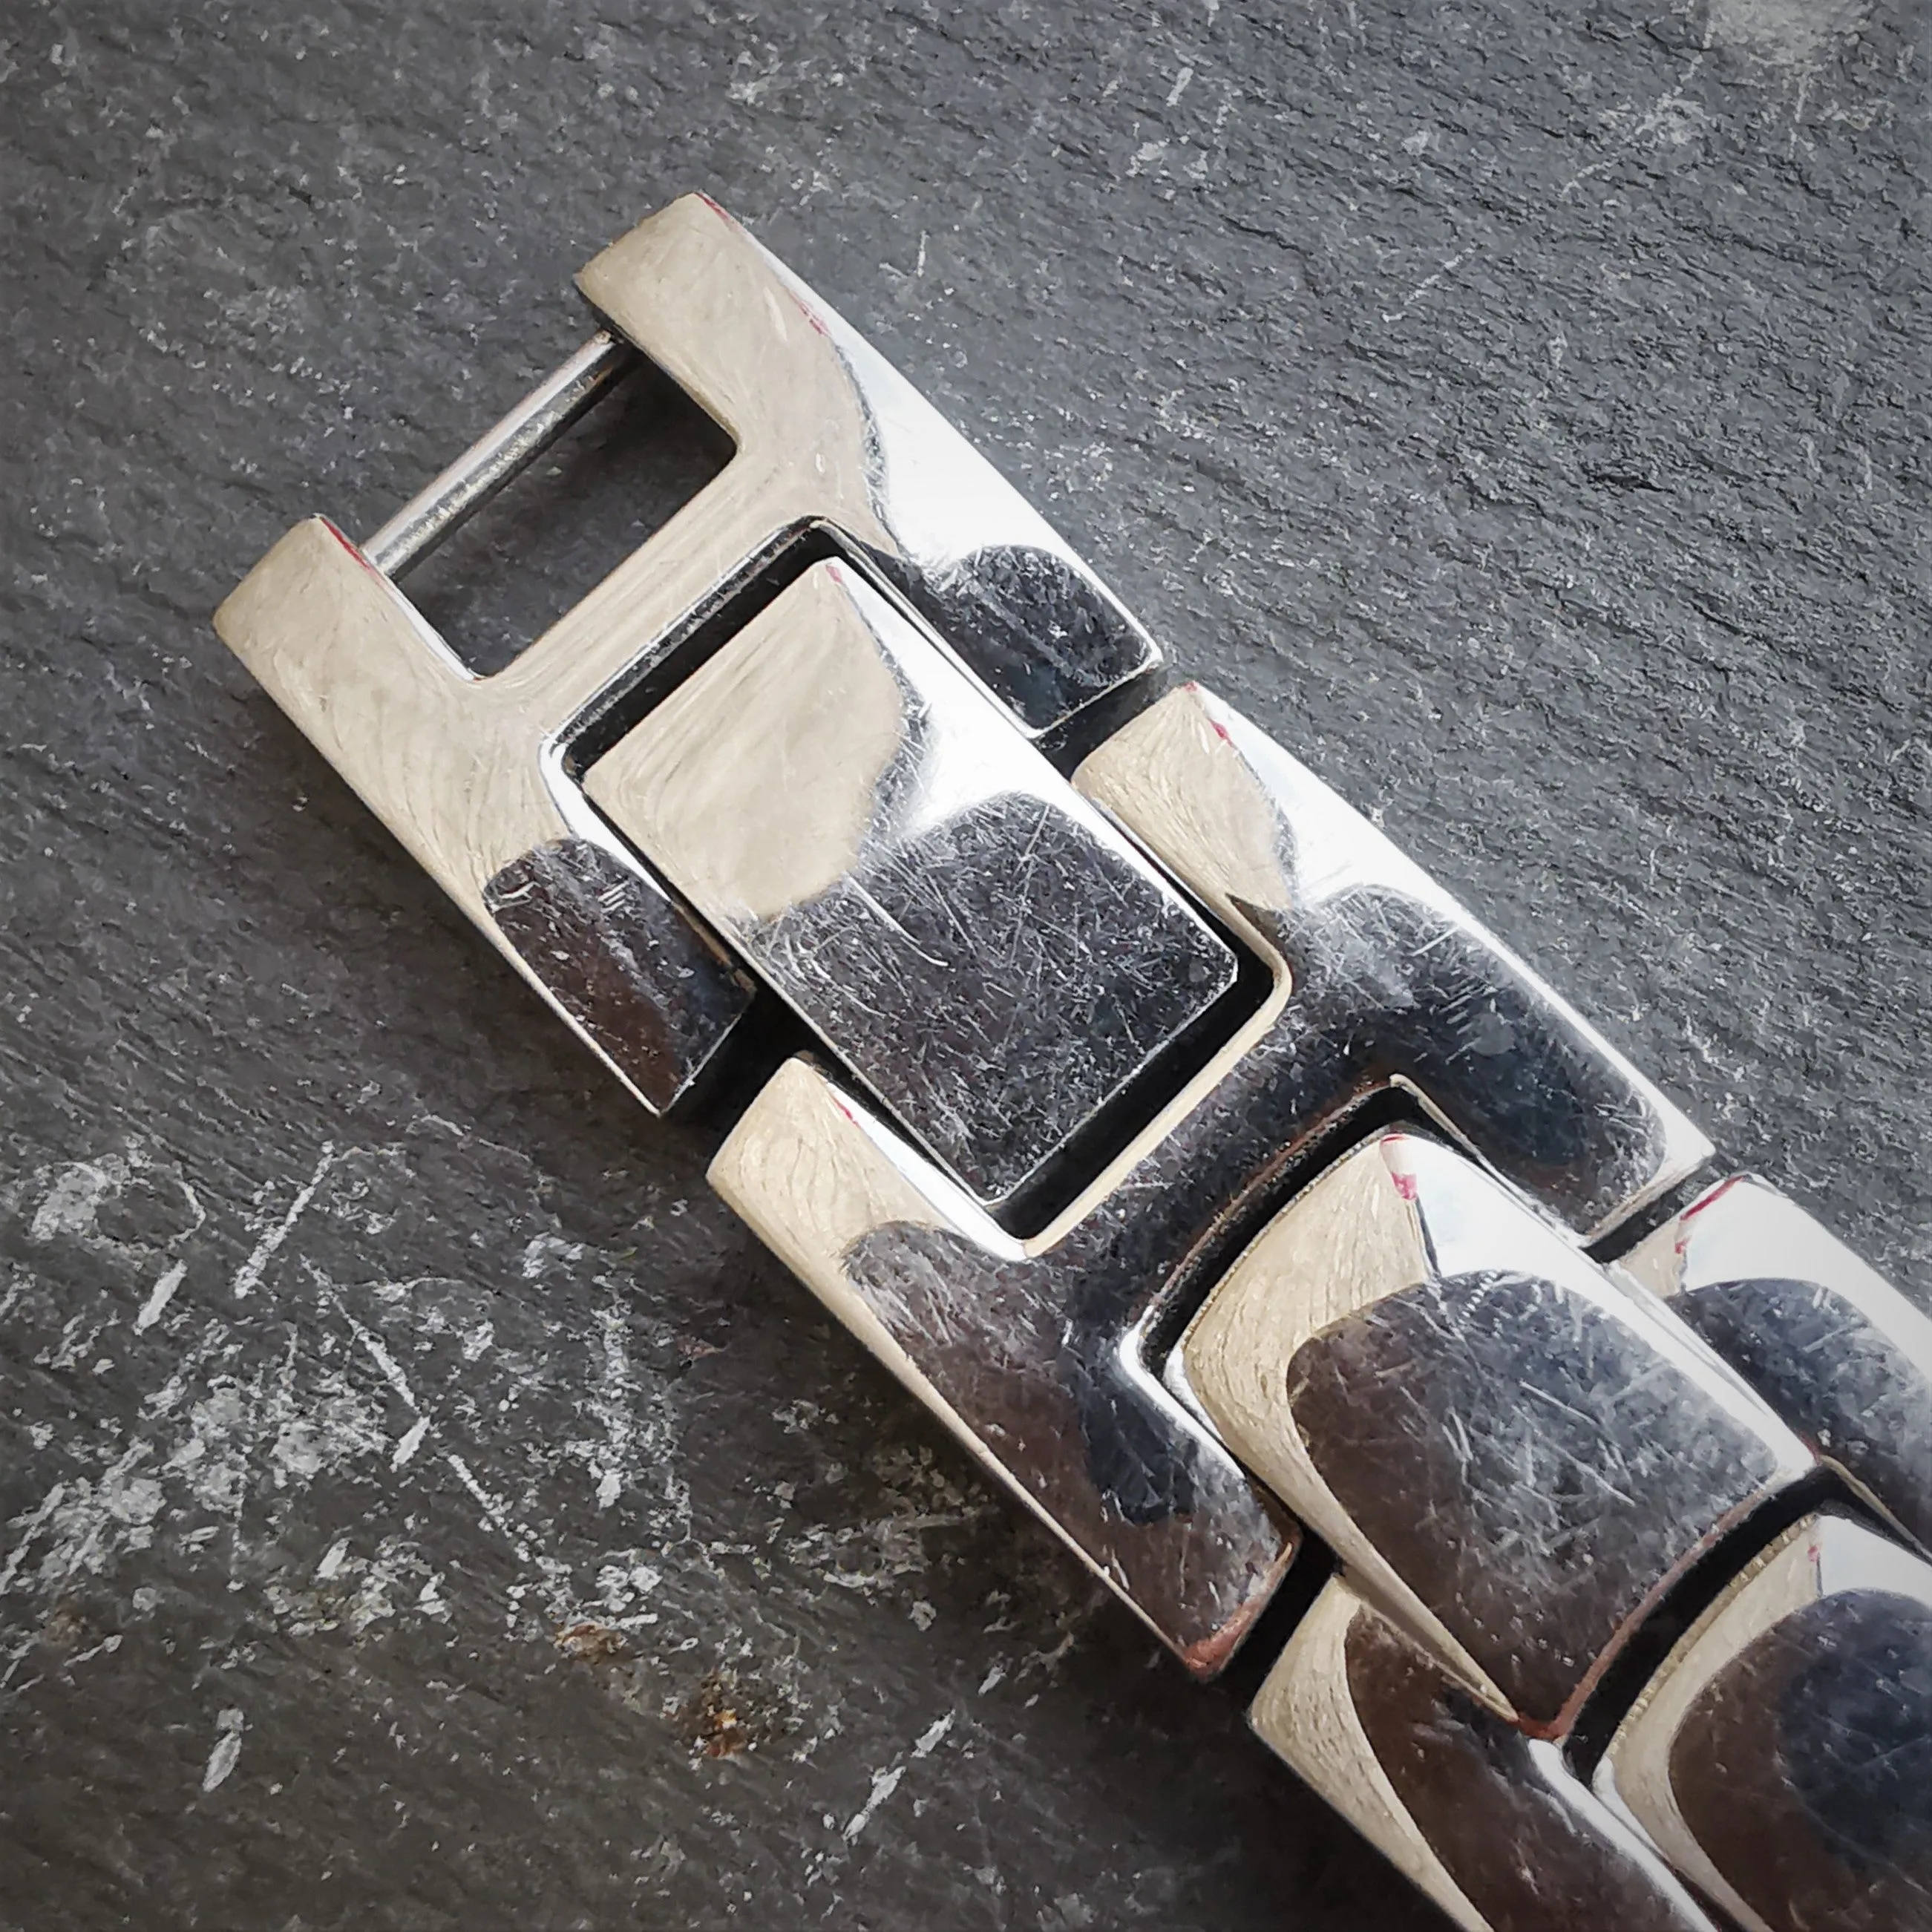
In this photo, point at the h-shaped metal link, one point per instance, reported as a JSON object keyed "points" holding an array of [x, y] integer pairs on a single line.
{"points": [[470, 772], [1515, 1454]]}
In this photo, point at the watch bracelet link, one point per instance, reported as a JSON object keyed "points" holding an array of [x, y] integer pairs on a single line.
{"points": [[1223, 1186]]}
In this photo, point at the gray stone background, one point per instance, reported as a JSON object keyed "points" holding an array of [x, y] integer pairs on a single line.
{"points": [[1522, 411]]}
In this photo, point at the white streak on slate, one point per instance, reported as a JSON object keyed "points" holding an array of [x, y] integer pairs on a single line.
{"points": [[69, 1206], [248, 1276], [612, 1405], [228, 1727], [885, 1783], [162, 1293]]}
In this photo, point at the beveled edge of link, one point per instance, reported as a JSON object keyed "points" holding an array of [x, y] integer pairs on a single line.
{"points": [[1307, 1713], [814, 1174], [1823, 1554], [1303, 1712]]}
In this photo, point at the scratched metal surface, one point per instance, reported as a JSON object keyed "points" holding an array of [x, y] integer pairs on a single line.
{"points": [[422, 1505]]}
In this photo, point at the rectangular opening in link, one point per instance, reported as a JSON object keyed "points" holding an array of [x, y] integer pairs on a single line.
{"points": [[619, 474]]}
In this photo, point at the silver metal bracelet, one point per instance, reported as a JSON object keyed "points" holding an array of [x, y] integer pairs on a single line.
{"points": [[1230, 1192]]}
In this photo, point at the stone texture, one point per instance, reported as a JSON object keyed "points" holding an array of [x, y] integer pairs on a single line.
{"points": [[1521, 412]]}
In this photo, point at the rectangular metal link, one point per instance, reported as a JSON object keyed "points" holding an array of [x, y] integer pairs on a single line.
{"points": [[1515, 1454], [970, 935]]}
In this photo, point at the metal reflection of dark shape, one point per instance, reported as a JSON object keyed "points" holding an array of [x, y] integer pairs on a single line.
{"points": [[1858, 1736], [1803, 1768], [1525, 1460], [621, 959], [1388, 989], [1134, 1460], [1835, 1376], [997, 979], [1044, 638], [1167, 1511]]}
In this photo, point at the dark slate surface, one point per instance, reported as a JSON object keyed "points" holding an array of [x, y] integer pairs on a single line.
{"points": [[1523, 413]]}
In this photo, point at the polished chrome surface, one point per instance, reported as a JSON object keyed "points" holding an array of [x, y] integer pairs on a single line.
{"points": [[1030, 1355], [1382, 982], [428, 745], [1781, 1758], [496, 457], [464, 781], [1043, 1352], [1514, 1455], [868, 831], [829, 433], [476, 776], [1844, 1356], [1493, 1825]]}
